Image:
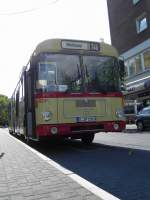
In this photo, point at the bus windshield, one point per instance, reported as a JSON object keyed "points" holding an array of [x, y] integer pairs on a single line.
{"points": [[78, 73], [102, 74], [59, 69]]}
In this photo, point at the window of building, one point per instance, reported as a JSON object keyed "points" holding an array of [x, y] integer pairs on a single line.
{"points": [[126, 69], [135, 1], [146, 56], [141, 23], [134, 65], [138, 64]]}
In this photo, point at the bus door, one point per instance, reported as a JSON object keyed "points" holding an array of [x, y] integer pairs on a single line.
{"points": [[29, 106]]}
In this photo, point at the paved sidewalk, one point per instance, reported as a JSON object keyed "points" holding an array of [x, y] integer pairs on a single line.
{"points": [[25, 175]]}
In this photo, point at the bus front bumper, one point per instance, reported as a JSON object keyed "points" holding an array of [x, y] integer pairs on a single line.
{"points": [[69, 130]]}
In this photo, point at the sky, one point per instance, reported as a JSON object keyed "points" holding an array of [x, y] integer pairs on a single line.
{"points": [[25, 23]]}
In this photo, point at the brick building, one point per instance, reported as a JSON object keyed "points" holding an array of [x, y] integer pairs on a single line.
{"points": [[130, 33]]}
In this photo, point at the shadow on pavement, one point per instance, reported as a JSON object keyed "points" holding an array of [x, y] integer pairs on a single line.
{"points": [[123, 172], [1, 155]]}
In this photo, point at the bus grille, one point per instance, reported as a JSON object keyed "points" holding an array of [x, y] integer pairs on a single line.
{"points": [[91, 128], [85, 103]]}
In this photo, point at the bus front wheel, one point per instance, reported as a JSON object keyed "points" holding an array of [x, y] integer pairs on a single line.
{"points": [[88, 139]]}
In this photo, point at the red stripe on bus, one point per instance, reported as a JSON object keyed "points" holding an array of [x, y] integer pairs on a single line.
{"points": [[65, 95], [66, 129]]}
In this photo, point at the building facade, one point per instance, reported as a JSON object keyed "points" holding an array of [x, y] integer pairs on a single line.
{"points": [[130, 33]]}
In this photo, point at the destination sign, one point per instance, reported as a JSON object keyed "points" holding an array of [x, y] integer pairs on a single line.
{"points": [[79, 45]]}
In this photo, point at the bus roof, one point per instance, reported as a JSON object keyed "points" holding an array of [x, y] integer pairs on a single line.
{"points": [[65, 45]]}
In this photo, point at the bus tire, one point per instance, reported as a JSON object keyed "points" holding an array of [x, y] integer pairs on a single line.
{"points": [[88, 139], [10, 132]]}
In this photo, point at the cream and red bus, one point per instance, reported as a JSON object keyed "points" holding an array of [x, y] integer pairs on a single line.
{"points": [[69, 88]]}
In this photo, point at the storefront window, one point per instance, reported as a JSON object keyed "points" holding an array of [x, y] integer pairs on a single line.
{"points": [[147, 59], [132, 67], [138, 64], [126, 69]]}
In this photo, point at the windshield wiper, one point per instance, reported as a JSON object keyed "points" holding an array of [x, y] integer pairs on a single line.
{"points": [[86, 71], [79, 73]]}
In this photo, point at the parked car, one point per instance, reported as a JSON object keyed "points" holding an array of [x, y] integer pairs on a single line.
{"points": [[131, 109], [143, 119]]}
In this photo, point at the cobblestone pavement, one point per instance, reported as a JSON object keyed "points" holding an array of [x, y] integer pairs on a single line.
{"points": [[25, 176]]}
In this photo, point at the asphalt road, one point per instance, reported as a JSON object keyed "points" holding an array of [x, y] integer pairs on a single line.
{"points": [[124, 172], [129, 139]]}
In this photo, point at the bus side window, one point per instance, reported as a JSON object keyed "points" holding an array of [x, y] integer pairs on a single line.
{"points": [[17, 104], [29, 94]]}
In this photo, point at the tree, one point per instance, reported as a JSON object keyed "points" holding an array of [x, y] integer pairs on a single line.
{"points": [[3, 109]]}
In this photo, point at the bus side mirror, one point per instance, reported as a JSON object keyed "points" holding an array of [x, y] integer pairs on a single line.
{"points": [[121, 70]]}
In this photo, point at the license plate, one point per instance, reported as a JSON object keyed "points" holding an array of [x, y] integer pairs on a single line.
{"points": [[86, 119]]}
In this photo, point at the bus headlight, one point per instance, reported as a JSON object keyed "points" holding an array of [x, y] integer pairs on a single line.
{"points": [[120, 114], [54, 130], [116, 126], [47, 116]]}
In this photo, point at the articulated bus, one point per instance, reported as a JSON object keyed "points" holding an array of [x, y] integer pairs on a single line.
{"points": [[70, 89]]}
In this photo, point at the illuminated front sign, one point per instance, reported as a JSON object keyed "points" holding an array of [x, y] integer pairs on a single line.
{"points": [[79, 45]]}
